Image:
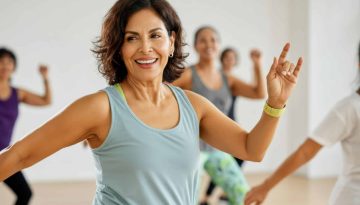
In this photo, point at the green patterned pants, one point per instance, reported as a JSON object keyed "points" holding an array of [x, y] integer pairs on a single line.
{"points": [[226, 173]]}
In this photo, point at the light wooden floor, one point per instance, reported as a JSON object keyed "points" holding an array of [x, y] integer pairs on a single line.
{"points": [[294, 190]]}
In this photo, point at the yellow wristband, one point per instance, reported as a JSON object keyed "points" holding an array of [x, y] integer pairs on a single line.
{"points": [[273, 112]]}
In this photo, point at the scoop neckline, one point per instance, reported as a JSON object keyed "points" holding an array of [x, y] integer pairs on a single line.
{"points": [[205, 86], [9, 97], [122, 96]]}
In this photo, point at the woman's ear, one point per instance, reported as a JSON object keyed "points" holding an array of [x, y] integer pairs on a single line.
{"points": [[172, 41]]}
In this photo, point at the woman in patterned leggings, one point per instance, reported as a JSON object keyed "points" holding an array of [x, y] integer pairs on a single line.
{"points": [[219, 87]]}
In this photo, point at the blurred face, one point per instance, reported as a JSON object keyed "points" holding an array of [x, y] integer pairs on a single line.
{"points": [[229, 60], [147, 46], [7, 67], [207, 44]]}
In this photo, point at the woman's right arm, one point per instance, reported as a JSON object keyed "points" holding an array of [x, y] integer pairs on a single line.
{"points": [[87, 118], [300, 157]]}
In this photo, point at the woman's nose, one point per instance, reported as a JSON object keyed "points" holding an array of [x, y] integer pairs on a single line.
{"points": [[145, 47]]}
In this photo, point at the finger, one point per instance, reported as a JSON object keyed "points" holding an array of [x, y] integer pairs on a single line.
{"points": [[247, 202], [273, 66], [298, 67], [291, 78], [284, 69], [292, 68], [284, 53], [249, 199]]}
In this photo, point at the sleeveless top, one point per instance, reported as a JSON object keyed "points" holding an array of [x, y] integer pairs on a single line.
{"points": [[231, 113], [9, 110], [138, 164], [220, 98]]}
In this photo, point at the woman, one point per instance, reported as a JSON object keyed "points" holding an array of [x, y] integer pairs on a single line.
{"points": [[144, 136], [342, 125], [10, 97], [219, 88], [229, 58]]}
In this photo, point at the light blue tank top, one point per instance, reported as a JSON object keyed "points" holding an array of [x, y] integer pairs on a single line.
{"points": [[141, 165]]}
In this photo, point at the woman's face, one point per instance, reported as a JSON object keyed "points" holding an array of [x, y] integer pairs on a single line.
{"points": [[207, 44], [229, 60], [146, 46], [7, 67]]}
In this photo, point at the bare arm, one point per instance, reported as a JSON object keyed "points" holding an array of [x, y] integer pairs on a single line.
{"points": [[75, 124], [255, 90], [301, 156], [223, 133], [184, 81], [34, 99]]}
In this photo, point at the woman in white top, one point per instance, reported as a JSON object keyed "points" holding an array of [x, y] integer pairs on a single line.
{"points": [[342, 124]]}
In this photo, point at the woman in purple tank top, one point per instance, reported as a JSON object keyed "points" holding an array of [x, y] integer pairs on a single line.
{"points": [[10, 98]]}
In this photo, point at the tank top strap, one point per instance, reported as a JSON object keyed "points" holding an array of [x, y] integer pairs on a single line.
{"points": [[195, 78], [225, 81]]}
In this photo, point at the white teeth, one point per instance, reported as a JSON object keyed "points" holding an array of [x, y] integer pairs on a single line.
{"points": [[146, 61]]}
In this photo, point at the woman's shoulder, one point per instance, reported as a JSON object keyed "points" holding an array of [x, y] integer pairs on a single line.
{"points": [[199, 103], [99, 98], [96, 103], [184, 81]]}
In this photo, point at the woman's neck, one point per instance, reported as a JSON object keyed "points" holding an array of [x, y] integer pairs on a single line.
{"points": [[4, 83], [226, 70], [206, 64], [154, 92]]}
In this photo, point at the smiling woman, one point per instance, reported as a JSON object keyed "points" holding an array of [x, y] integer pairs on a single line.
{"points": [[115, 34], [144, 133], [146, 47]]}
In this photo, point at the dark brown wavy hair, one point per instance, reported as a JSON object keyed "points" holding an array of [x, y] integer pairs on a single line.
{"points": [[229, 49], [108, 45], [198, 31], [5, 52]]}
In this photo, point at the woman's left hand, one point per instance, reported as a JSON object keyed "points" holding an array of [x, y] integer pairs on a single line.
{"points": [[255, 56], [43, 70], [281, 79]]}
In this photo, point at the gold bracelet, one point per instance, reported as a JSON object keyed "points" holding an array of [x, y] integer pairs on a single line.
{"points": [[273, 112]]}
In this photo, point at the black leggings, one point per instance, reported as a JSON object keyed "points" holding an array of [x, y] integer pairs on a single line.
{"points": [[20, 187], [212, 185]]}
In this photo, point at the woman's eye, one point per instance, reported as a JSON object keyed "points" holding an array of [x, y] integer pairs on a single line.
{"points": [[131, 38], [155, 36]]}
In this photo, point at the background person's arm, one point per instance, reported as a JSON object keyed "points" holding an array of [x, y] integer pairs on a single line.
{"points": [[184, 81], [301, 156], [255, 90], [34, 99]]}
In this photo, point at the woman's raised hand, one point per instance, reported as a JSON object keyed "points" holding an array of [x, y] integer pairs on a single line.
{"points": [[282, 78]]}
